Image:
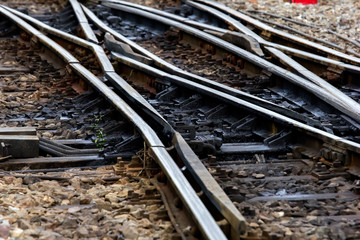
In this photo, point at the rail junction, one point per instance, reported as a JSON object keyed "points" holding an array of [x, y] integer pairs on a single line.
{"points": [[225, 126]]}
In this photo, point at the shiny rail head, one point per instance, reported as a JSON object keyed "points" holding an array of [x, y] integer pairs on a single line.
{"points": [[202, 216]]}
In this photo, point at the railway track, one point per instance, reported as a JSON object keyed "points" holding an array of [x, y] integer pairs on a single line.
{"points": [[285, 159], [210, 229], [38, 92], [284, 89]]}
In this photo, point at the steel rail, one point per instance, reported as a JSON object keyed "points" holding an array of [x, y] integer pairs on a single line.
{"points": [[201, 215], [240, 27], [207, 183], [290, 50], [283, 57], [314, 78], [352, 41], [355, 106], [329, 44], [184, 20], [105, 64], [306, 35], [210, 187], [162, 64], [84, 24], [264, 27], [174, 17], [202, 26], [315, 58], [316, 90], [327, 137]]}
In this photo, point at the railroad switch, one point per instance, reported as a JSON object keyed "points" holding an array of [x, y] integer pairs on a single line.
{"points": [[239, 39]]}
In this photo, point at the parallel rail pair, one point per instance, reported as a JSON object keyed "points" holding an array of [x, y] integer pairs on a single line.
{"points": [[234, 97]]}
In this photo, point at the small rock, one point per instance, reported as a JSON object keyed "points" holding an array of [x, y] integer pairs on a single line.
{"points": [[13, 104], [258, 175], [278, 214], [17, 233], [4, 230], [348, 212], [242, 174], [9, 179], [48, 199], [29, 107], [74, 209], [310, 218], [75, 182], [122, 218], [31, 180], [113, 19], [65, 202], [281, 192], [86, 180], [112, 197], [266, 219], [310, 231], [47, 135], [50, 126], [145, 223], [129, 230], [82, 231], [69, 223], [23, 224], [254, 225], [14, 209]]}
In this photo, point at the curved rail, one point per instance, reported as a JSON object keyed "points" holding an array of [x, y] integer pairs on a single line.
{"points": [[327, 137], [264, 27], [89, 34], [165, 66], [289, 50], [322, 94], [210, 187], [352, 41], [201, 215], [287, 60], [105, 64]]}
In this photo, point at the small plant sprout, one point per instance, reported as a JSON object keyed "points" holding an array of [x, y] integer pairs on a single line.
{"points": [[100, 140]]}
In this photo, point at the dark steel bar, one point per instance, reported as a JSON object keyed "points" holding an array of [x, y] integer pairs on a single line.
{"points": [[288, 36], [352, 104], [303, 197], [252, 58], [353, 41], [327, 137]]}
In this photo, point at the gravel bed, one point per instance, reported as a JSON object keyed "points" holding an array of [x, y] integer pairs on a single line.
{"points": [[333, 218], [338, 16], [36, 6], [83, 206]]}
